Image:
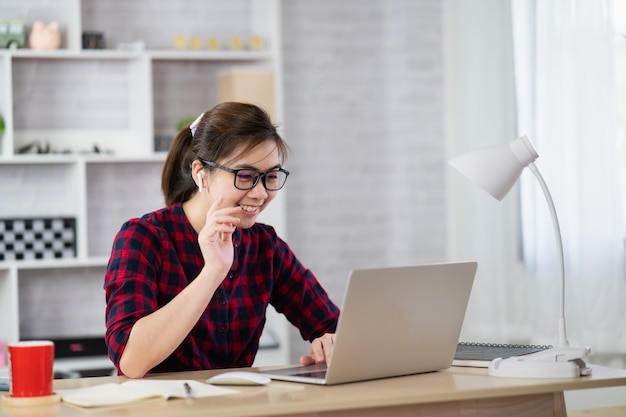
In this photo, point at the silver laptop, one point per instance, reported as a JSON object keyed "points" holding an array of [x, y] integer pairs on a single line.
{"points": [[394, 321]]}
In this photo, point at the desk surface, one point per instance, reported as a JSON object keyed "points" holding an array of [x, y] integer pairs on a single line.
{"points": [[284, 398]]}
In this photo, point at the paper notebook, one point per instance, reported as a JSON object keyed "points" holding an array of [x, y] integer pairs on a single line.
{"points": [[480, 355], [139, 391]]}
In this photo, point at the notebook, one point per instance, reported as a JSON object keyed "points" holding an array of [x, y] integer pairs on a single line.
{"points": [[394, 321], [480, 355]]}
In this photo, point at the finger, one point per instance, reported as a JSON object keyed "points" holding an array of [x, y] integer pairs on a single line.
{"points": [[226, 235], [317, 350], [328, 343], [226, 217], [222, 219], [306, 360], [217, 204], [225, 224]]}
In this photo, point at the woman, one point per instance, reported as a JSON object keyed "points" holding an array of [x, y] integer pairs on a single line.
{"points": [[187, 286]]}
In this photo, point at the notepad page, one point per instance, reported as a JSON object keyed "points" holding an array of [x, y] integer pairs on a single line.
{"points": [[139, 391]]}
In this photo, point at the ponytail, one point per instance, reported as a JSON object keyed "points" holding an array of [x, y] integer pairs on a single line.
{"points": [[176, 182]]}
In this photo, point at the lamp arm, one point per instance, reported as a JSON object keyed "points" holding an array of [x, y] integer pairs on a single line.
{"points": [[562, 342]]}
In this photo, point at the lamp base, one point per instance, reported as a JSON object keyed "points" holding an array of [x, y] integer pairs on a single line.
{"points": [[550, 363]]}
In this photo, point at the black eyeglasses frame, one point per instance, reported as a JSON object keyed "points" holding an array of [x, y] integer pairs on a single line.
{"points": [[260, 175]]}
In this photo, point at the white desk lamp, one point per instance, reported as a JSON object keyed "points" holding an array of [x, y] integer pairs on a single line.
{"points": [[496, 169]]}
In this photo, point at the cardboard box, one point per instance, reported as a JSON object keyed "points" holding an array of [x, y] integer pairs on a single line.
{"points": [[249, 86]]}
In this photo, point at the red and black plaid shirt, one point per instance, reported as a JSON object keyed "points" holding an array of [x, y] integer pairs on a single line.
{"points": [[155, 257]]}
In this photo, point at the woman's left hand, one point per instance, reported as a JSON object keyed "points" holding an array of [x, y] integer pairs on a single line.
{"points": [[321, 350]]}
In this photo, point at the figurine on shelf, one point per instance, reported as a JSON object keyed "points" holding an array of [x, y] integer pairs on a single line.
{"points": [[236, 43], [12, 34], [256, 42], [214, 43], [180, 42], [45, 37], [195, 42]]}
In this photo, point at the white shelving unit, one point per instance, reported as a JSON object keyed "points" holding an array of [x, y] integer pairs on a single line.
{"points": [[97, 112]]}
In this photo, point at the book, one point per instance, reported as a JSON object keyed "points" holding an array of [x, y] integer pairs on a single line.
{"points": [[139, 391], [480, 355]]}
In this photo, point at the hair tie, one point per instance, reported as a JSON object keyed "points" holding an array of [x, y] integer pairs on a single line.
{"points": [[194, 125]]}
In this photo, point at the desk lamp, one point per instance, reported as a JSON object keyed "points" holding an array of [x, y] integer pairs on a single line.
{"points": [[496, 169]]}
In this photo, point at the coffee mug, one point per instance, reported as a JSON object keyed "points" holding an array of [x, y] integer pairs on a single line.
{"points": [[32, 368]]}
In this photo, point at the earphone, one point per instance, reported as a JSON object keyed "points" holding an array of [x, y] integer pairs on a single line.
{"points": [[200, 185]]}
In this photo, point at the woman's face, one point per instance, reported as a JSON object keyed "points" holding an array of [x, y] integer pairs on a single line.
{"points": [[262, 158]]}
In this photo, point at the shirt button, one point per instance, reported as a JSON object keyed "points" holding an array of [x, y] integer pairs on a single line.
{"points": [[223, 327], [231, 275], [222, 301]]}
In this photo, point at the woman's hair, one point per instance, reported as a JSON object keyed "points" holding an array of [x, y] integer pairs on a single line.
{"points": [[226, 130]]}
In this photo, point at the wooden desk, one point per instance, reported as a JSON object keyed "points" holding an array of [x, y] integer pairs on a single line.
{"points": [[454, 392]]}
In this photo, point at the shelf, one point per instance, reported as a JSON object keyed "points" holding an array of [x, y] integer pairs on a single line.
{"points": [[103, 158], [164, 54], [126, 105], [30, 159], [72, 55], [46, 264], [210, 55]]}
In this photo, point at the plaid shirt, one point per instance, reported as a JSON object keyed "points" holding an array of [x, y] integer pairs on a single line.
{"points": [[155, 257]]}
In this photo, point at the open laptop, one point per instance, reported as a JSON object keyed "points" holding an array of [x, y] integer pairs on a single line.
{"points": [[394, 321]]}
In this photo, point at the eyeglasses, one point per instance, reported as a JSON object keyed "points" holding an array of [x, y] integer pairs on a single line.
{"points": [[247, 179]]}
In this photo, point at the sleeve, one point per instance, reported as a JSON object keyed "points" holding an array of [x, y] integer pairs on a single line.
{"points": [[130, 284], [300, 297]]}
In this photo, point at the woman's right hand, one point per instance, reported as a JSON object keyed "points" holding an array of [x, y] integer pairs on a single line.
{"points": [[216, 237]]}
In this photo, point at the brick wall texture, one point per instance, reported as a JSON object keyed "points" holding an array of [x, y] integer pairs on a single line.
{"points": [[363, 84]]}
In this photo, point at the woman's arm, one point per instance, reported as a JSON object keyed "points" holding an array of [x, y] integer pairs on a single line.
{"points": [[300, 297], [155, 336]]}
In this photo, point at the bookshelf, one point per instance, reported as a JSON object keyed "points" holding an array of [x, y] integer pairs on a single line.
{"points": [[83, 130]]}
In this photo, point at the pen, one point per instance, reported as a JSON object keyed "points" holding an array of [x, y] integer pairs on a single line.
{"points": [[187, 388]]}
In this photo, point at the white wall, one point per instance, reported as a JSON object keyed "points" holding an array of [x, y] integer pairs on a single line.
{"points": [[378, 95], [480, 111], [364, 120]]}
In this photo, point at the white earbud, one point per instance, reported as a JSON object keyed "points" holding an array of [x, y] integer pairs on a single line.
{"points": [[200, 185]]}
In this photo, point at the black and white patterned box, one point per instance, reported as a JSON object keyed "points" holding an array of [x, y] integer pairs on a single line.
{"points": [[37, 238]]}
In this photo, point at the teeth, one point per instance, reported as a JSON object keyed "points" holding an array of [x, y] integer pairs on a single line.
{"points": [[248, 208]]}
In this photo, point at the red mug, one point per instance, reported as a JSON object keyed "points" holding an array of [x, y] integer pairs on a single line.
{"points": [[32, 368]]}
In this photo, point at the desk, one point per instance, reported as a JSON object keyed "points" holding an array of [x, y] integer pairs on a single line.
{"points": [[453, 392]]}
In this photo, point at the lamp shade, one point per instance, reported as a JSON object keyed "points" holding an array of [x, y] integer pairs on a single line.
{"points": [[496, 168]]}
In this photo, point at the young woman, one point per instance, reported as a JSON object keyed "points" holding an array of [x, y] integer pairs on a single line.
{"points": [[187, 286]]}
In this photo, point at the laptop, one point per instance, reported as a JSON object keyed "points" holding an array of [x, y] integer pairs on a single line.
{"points": [[394, 321]]}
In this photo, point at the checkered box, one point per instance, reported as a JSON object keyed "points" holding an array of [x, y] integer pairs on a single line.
{"points": [[37, 238]]}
